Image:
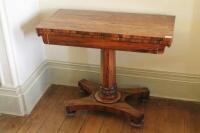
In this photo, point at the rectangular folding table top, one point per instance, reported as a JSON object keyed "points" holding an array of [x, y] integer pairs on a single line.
{"points": [[108, 30]]}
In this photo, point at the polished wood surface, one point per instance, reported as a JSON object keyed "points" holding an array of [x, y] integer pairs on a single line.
{"points": [[108, 71], [113, 30], [48, 117], [108, 89], [110, 23], [119, 106]]}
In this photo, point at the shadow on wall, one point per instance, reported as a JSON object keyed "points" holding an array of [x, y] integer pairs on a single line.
{"points": [[67, 54], [28, 49], [29, 27]]}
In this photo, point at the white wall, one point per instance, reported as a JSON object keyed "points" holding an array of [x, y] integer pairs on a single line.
{"points": [[193, 55], [181, 57], [23, 76], [28, 51]]}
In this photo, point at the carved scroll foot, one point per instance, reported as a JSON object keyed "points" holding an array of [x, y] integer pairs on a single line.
{"points": [[120, 108], [140, 93], [87, 86]]}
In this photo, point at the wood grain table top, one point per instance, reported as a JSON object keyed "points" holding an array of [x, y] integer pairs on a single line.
{"points": [[115, 26]]}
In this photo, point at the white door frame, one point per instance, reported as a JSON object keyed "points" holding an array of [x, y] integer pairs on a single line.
{"points": [[8, 70]]}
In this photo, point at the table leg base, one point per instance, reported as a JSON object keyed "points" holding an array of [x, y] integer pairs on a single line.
{"points": [[121, 107], [107, 101]]}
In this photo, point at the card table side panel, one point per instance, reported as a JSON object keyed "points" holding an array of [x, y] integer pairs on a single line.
{"points": [[105, 43]]}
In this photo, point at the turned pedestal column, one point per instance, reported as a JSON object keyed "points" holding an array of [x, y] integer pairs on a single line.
{"points": [[106, 96], [108, 92]]}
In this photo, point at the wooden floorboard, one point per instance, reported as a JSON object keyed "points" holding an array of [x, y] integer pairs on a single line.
{"points": [[93, 122], [116, 122], [161, 116]]}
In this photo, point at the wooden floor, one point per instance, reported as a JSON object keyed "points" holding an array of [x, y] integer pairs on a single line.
{"points": [[161, 116]]}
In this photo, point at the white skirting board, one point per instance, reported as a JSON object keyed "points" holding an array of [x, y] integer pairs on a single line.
{"points": [[161, 84], [11, 104], [21, 100]]}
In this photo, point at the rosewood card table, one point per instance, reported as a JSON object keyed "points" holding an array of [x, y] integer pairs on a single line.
{"points": [[108, 31]]}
